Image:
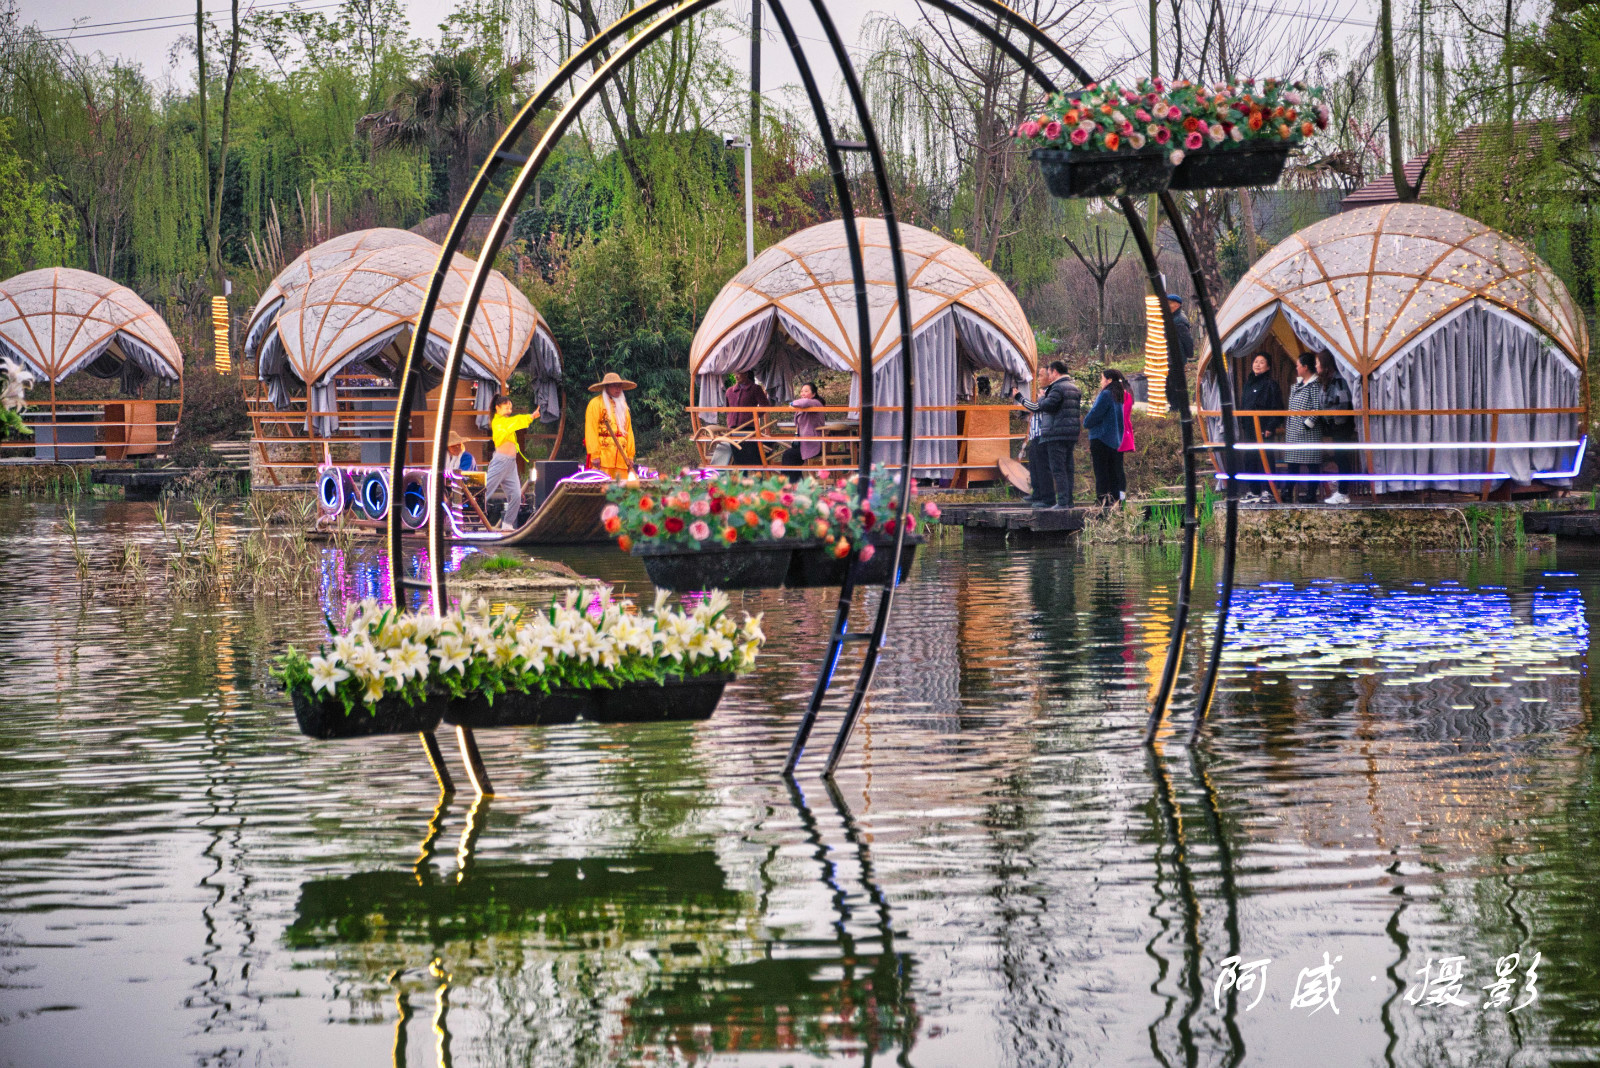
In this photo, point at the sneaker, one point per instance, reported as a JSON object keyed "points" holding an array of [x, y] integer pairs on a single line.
{"points": [[1040, 504], [1337, 498]]}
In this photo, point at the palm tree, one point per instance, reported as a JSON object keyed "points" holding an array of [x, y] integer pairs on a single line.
{"points": [[453, 108]]}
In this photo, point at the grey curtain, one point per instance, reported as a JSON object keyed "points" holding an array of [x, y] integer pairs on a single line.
{"points": [[741, 350], [544, 367], [1479, 357], [254, 339], [988, 349], [1244, 338], [935, 381]]}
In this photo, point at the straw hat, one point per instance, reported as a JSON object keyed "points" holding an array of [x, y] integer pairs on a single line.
{"points": [[456, 439], [612, 379]]}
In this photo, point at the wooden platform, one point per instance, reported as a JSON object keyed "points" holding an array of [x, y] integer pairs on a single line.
{"points": [[147, 485], [569, 516], [1005, 518], [1576, 524]]}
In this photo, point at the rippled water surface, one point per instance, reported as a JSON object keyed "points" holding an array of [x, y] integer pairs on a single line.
{"points": [[1401, 776]]}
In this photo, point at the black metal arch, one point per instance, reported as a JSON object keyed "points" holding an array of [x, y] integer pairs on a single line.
{"points": [[1177, 381], [642, 27]]}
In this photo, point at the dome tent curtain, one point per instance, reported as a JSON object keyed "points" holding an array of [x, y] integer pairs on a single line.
{"points": [[1424, 309], [58, 321], [797, 301], [366, 305]]}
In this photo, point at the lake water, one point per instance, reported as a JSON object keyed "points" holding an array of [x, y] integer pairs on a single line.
{"points": [[1400, 792]]}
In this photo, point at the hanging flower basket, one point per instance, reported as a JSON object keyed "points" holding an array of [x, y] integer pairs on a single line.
{"points": [[588, 656], [740, 566], [1106, 140], [1071, 174], [325, 717], [513, 709], [1247, 164], [674, 698], [818, 565]]}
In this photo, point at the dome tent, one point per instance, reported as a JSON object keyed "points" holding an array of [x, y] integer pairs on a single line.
{"points": [[793, 308], [330, 255], [357, 304], [59, 321], [1448, 333]]}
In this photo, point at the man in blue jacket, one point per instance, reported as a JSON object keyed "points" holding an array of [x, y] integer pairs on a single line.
{"points": [[1057, 413]]}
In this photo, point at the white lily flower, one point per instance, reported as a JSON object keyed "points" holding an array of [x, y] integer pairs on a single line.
{"points": [[326, 675]]}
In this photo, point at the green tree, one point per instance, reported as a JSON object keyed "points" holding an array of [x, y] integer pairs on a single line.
{"points": [[454, 109], [35, 230]]}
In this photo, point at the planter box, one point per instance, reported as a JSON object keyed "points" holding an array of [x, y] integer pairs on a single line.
{"points": [[1103, 174], [675, 699], [523, 709], [640, 702], [815, 565], [1245, 164], [748, 566], [326, 718]]}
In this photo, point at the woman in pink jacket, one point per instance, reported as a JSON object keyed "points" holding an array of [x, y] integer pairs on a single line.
{"points": [[1127, 433]]}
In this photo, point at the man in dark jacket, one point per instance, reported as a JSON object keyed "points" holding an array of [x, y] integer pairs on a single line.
{"points": [[1059, 414], [1182, 337]]}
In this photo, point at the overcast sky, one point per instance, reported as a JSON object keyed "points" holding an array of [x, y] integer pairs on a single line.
{"points": [[147, 30]]}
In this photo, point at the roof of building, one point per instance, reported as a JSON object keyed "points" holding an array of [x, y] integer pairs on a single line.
{"points": [[1381, 189]]}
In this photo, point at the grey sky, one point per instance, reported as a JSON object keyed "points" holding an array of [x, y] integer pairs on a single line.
{"points": [[110, 28]]}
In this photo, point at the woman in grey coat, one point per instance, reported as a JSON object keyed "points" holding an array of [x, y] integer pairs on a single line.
{"points": [[1305, 396]]}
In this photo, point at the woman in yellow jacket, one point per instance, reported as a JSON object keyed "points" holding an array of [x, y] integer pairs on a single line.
{"points": [[608, 427], [502, 475]]}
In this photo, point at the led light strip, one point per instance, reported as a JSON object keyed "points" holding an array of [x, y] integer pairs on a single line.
{"points": [[1577, 465], [1392, 446]]}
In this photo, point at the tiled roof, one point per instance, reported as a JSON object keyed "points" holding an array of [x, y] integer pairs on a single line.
{"points": [[1381, 189]]}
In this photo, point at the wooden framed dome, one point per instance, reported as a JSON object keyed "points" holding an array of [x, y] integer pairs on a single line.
{"points": [[320, 259], [1370, 281], [805, 282], [1465, 355], [59, 321]]}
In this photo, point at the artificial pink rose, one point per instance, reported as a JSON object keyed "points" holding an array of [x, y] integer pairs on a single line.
{"points": [[699, 531], [1029, 129], [777, 528], [931, 510], [699, 507], [1142, 115], [1052, 130], [608, 513], [867, 552], [1174, 113], [1202, 127], [1161, 134], [1177, 156], [1193, 141], [1126, 128], [1079, 136]]}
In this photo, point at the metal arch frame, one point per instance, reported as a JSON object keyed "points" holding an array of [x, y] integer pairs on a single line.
{"points": [[1177, 381], [643, 26]]}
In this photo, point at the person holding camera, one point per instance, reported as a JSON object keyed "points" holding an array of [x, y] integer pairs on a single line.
{"points": [[1054, 428]]}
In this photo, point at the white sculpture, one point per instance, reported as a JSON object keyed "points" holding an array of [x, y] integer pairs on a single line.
{"points": [[17, 381]]}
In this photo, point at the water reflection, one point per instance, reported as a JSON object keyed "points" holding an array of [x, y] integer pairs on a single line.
{"points": [[657, 946], [1003, 876]]}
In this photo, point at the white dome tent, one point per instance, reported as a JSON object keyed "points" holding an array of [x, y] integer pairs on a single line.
{"points": [[1452, 337], [793, 309], [59, 321], [360, 308]]}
